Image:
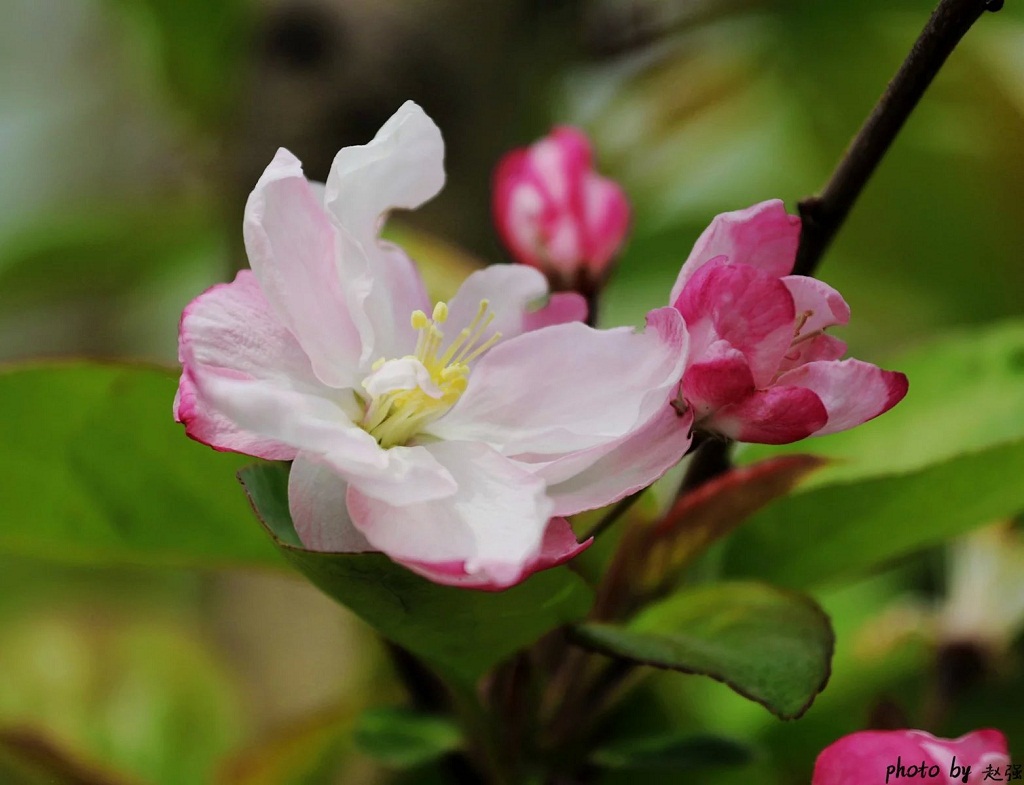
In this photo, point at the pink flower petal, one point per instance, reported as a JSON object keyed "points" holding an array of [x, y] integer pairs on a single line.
{"points": [[231, 331], [291, 248], [562, 307], [554, 212], [763, 236], [621, 468], [558, 547], [852, 391], [567, 387], [873, 757], [778, 415], [719, 378], [823, 306], [493, 525], [744, 306], [820, 347], [518, 204], [316, 499], [606, 218], [513, 292]]}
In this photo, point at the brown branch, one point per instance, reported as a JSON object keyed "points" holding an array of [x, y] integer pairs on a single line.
{"points": [[823, 215]]}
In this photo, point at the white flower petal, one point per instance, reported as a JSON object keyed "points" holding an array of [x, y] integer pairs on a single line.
{"points": [[402, 167], [230, 331], [514, 292], [316, 498], [568, 387], [292, 250], [607, 474], [494, 524]]}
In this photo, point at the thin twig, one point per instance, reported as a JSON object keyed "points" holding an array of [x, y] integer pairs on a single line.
{"points": [[622, 506], [823, 215]]}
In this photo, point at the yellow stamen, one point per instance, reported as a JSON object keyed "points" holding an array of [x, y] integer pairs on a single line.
{"points": [[395, 417]]}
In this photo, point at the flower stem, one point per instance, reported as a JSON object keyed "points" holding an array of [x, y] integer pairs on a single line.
{"points": [[621, 507], [824, 214]]}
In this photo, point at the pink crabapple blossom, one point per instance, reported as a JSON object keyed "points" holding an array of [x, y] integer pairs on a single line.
{"points": [[760, 366], [452, 438], [555, 213], [875, 758]]}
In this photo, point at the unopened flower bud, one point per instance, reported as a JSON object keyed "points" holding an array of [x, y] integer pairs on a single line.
{"points": [[556, 213]]}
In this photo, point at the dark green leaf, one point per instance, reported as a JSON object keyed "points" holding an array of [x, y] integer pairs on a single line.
{"points": [[675, 751], [460, 630], [840, 531], [96, 470], [403, 738], [770, 645]]}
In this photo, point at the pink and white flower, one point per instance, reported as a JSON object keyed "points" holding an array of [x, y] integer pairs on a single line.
{"points": [[878, 757], [761, 368], [555, 213], [452, 438]]}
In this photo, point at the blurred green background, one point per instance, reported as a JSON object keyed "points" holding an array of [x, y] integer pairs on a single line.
{"points": [[130, 134]]}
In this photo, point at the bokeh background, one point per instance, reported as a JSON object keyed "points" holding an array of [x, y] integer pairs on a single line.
{"points": [[130, 134]]}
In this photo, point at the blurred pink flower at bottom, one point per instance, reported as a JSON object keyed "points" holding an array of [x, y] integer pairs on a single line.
{"points": [[887, 757]]}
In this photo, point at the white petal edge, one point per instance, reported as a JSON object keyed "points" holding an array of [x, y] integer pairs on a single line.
{"points": [[402, 167]]}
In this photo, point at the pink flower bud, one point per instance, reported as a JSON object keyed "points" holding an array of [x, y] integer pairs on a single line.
{"points": [[556, 213], [892, 757], [760, 366]]}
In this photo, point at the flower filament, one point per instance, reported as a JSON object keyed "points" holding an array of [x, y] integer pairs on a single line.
{"points": [[426, 383]]}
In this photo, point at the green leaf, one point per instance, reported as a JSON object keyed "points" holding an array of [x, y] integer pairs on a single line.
{"points": [[403, 738], [675, 751], [102, 250], [96, 470], [769, 645], [462, 631], [840, 531], [196, 47], [945, 460]]}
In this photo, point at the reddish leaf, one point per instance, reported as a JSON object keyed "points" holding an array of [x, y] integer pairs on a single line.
{"points": [[28, 757], [717, 508]]}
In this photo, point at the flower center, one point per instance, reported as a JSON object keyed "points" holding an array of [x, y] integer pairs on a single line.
{"points": [[408, 393]]}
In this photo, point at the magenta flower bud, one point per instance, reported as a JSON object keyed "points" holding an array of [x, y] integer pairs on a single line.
{"points": [[555, 213], [893, 757], [761, 367]]}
